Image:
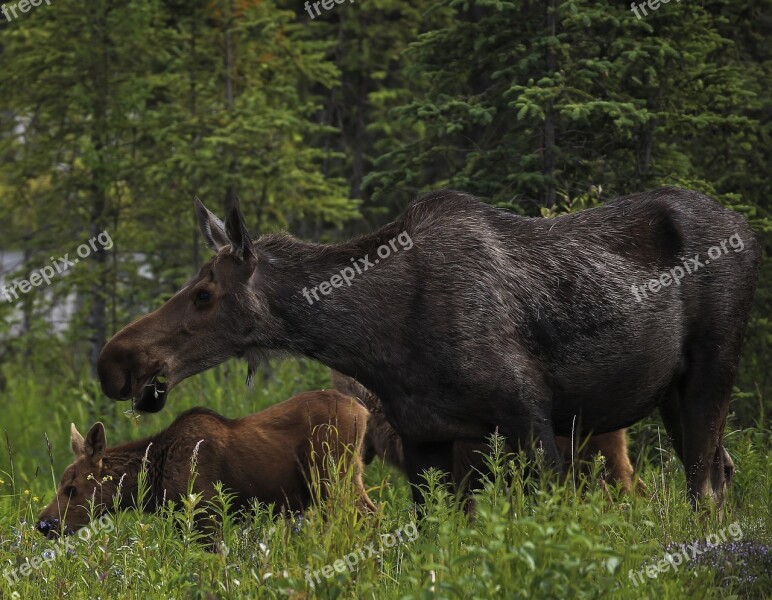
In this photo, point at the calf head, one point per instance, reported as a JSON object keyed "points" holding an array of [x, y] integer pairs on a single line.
{"points": [[82, 482], [211, 319]]}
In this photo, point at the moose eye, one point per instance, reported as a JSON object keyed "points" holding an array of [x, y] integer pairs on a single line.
{"points": [[70, 491], [203, 297]]}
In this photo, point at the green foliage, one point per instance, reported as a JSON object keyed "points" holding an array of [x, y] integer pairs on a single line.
{"points": [[530, 97], [529, 538], [116, 114]]}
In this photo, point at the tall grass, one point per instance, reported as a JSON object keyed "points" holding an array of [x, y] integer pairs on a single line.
{"points": [[528, 539]]}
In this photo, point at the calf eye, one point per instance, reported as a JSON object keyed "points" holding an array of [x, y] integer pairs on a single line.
{"points": [[202, 297], [70, 491]]}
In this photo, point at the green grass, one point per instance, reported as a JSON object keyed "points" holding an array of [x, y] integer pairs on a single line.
{"points": [[555, 541]]}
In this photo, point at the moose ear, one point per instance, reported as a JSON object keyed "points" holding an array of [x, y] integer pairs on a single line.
{"points": [[211, 227], [95, 443], [237, 232], [76, 441]]}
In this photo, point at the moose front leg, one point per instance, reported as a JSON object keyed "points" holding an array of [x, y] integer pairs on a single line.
{"points": [[419, 457], [527, 426]]}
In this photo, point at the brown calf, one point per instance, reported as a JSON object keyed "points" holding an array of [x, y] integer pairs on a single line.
{"points": [[268, 456], [381, 440]]}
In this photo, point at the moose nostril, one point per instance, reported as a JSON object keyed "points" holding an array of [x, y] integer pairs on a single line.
{"points": [[44, 527], [126, 389], [114, 370]]}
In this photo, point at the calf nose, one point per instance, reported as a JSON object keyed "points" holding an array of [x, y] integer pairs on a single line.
{"points": [[48, 526]]}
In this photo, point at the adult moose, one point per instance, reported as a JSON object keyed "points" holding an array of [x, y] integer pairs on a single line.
{"points": [[489, 320]]}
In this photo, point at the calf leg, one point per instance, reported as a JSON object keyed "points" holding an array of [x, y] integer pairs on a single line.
{"points": [[613, 447], [364, 504]]}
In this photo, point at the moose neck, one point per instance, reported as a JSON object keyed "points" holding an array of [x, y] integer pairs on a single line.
{"points": [[124, 464], [336, 327]]}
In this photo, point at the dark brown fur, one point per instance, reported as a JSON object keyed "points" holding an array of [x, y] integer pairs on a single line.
{"points": [[484, 321], [268, 456], [381, 440]]}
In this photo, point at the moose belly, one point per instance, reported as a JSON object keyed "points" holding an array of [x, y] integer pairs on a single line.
{"points": [[606, 400]]}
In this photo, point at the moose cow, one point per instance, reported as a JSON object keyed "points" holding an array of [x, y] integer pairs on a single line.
{"points": [[271, 456], [489, 320], [381, 440]]}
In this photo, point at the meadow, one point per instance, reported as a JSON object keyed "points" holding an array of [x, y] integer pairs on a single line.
{"points": [[115, 115], [528, 539]]}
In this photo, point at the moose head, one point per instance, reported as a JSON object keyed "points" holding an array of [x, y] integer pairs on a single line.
{"points": [[211, 319], [83, 481]]}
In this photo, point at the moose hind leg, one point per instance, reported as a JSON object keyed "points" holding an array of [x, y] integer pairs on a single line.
{"points": [[419, 457], [670, 411], [534, 434], [704, 403]]}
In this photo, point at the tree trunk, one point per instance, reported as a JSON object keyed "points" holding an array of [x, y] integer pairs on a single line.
{"points": [[549, 117], [230, 191]]}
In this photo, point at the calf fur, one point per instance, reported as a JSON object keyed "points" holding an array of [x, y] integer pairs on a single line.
{"points": [[268, 456]]}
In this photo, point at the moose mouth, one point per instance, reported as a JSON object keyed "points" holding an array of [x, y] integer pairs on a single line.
{"points": [[152, 396], [54, 529], [55, 534]]}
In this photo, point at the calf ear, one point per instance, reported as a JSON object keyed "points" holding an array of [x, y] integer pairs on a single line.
{"points": [[237, 232], [211, 227], [76, 441], [95, 443]]}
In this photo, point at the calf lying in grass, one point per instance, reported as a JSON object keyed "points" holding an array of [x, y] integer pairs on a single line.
{"points": [[382, 440], [272, 456]]}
